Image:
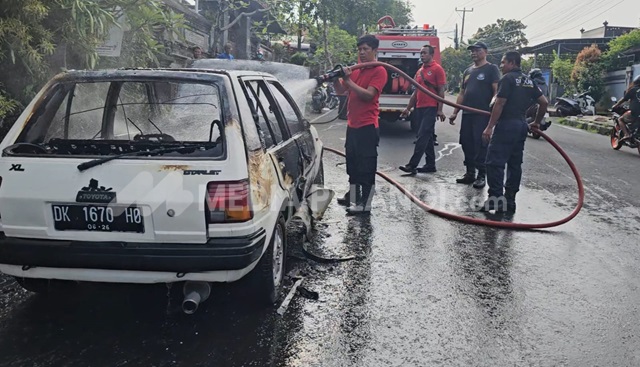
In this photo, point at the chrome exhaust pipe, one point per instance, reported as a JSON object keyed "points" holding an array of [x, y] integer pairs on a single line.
{"points": [[194, 294]]}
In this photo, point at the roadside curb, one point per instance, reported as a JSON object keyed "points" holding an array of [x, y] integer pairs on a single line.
{"points": [[585, 125]]}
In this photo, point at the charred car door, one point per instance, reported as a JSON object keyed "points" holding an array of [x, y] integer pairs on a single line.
{"points": [[296, 124], [275, 136]]}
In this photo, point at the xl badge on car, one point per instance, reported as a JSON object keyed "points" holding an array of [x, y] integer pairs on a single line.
{"points": [[95, 194]]}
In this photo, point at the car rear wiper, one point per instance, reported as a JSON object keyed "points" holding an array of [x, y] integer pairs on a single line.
{"points": [[96, 162]]}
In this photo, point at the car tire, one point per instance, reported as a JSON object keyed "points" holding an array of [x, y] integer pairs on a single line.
{"points": [[267, 277], [319, 180], [559, 112], [43, 286]]}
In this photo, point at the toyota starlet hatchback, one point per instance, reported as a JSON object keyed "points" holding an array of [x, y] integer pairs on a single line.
{"points": [[155, 176]]}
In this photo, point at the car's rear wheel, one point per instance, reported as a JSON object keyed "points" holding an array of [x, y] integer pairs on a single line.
{"points": [[268, 275]]}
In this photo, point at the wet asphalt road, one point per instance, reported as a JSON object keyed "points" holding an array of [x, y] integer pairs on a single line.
{"points": [[422, 291]]}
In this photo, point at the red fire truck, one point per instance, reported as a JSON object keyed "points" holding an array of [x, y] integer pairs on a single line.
{"points": [[400, 46]]}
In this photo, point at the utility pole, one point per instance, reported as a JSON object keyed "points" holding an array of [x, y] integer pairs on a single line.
{"points": [[464, 13], [455, 38]]}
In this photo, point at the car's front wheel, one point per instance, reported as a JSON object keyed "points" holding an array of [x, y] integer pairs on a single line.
{"points": [[268, 275]]}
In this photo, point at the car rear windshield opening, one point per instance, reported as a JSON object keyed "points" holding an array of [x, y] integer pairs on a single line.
{"points": [[113, 117]]}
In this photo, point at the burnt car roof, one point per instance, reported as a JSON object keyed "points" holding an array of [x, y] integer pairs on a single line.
{"points": [[186, 74]]}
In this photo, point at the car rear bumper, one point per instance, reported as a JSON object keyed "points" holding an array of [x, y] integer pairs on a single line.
{"points": [[229, 253]]}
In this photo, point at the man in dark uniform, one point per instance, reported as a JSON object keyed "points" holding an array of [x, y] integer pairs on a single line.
{"points": [[506, 141], [479, 85], [361, 148]]}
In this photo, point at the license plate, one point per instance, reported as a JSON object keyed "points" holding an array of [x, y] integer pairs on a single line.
{"points": [[99, 218]]}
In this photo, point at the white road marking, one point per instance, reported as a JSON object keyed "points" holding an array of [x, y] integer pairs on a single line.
{"points": [[447, 150], [319, 117]]}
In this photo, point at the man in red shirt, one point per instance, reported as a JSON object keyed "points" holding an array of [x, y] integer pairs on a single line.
{"points": [[361, 148], [432, 77]]}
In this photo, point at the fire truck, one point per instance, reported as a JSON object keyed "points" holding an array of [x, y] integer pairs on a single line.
{"points": [[400, 46]]}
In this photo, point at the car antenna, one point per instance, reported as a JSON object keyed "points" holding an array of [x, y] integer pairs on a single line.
{"points": [[154, 125], [135, 126]]}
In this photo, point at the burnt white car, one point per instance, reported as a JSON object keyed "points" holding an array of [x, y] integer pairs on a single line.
{"points": [[156, 176]]}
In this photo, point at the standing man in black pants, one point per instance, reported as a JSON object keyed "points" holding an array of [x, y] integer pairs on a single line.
{"points": [[507, 132], [479, 85], [361, 148], [427, 109]]}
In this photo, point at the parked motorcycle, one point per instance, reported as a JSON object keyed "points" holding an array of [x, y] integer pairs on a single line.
{"points": [[580, 104], [617, 134], [324, 96]]}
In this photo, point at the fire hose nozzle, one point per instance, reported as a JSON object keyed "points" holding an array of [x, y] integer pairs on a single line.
{"points": [[336, 72]]}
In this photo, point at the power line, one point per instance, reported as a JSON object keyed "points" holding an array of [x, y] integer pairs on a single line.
{"points": [[550, 21], [613, 6], [535, 11], [569, 21]]}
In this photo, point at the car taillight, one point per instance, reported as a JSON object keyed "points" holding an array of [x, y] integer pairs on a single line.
{"points": [[228, 202]]}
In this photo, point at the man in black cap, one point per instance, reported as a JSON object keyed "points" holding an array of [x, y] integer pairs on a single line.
{"points": [[479, 85]]}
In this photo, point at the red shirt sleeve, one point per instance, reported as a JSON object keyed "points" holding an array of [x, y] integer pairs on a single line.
{"points": [[379, 79]]}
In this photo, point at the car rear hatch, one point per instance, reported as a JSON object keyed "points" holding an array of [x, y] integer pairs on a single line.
{"points": [[123, 200], [124, 159]]}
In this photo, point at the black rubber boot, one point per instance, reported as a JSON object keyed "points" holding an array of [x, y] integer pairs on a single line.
{"points": [[352, 196], [511, 201], [480, 181], [467, 179]]}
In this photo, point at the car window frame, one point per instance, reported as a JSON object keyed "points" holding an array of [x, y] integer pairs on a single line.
{"points": [[301, 120], [59, 91], [278, 123]]}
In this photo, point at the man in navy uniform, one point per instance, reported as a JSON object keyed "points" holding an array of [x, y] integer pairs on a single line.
{"points": [[507, 132], [479, 85]]}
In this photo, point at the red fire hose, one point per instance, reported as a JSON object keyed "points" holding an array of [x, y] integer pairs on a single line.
{"points": [[461, 218]]}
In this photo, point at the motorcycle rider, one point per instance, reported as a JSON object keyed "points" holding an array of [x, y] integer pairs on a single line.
{"points": [[631, 117], [536, 76]]}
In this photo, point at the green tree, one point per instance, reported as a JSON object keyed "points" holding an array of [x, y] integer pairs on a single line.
{"points": [[612, 58], [299, 58], [150, 31], [24, 45], [526, 65], [502, 36], [588, 71], [340, 48], [562, 73], [39, 38], [454, 62]]}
